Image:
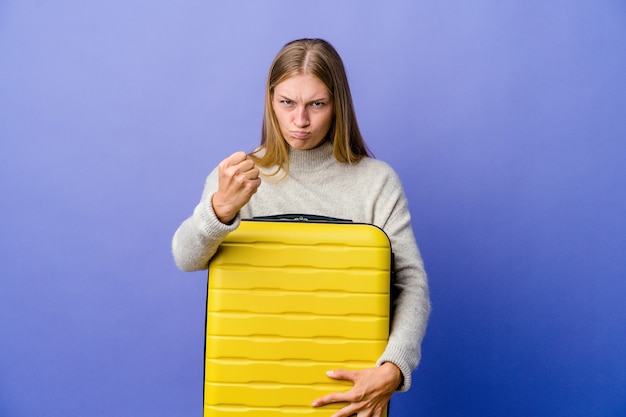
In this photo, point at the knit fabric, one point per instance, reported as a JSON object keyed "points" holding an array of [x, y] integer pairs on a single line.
{"points": [[366, 192]]}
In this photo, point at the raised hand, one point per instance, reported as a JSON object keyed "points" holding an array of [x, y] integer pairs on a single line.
{"points": [[238, 181]]}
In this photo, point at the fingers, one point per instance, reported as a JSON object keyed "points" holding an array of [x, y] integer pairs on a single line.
{"points": [[338, 397], [335, 397], [343, 374], [367, 398], [239, 165]]}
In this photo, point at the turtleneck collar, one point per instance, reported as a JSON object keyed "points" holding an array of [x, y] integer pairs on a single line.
{"points": [[311, 159]]}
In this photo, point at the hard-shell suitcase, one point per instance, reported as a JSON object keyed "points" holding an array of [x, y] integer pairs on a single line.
{"points": [[286, 302]]}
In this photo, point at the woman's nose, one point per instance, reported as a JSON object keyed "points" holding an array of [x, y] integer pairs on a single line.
{"points": [[301, 117]]}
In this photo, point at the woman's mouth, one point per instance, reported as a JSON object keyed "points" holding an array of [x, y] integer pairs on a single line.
{"points": [[300, 134]]}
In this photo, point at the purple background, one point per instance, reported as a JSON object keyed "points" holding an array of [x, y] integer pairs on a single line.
{"points": [[506, 121]]}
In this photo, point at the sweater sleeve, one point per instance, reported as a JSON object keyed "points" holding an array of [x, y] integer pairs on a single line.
{"points": [[411, 303], [196, 240]]}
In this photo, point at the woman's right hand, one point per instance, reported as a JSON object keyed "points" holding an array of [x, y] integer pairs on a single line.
{"points": [[238, 181]]}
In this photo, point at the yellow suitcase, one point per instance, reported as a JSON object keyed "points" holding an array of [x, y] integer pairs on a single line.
{"points": [[286, 302]]}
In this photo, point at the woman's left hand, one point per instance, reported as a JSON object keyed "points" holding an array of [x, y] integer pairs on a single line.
{"points": [[370, 394]]}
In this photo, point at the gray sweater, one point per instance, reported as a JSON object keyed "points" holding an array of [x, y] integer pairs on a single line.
{"points": [[366, 192]]}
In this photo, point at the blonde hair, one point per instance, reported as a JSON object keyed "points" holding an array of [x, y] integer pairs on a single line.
{"points": [[319, 58]]}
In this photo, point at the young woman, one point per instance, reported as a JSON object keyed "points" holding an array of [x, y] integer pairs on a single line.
{"points": [[312, 159]]}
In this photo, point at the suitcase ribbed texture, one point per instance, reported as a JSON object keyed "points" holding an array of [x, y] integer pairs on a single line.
{"points": [[286, 303]]}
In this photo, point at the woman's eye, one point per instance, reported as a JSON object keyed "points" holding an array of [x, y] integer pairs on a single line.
{"points": [[317, 104], [286, 102]]}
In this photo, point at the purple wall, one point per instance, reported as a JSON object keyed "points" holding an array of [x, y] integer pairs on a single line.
{"points": [[505, 120]]}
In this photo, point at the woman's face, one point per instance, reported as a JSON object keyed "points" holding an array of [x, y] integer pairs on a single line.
{"points": [[304, 109]]}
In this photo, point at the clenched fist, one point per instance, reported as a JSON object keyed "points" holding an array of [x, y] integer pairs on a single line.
{"points": [[238, 181]]}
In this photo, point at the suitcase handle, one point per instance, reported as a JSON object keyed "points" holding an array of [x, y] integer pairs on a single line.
{"points": [[312, 218]]}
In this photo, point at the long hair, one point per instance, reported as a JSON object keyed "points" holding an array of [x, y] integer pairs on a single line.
{"points": [[319, 58]]}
